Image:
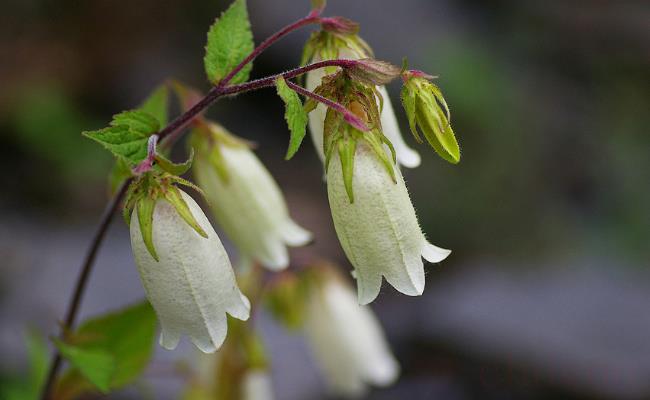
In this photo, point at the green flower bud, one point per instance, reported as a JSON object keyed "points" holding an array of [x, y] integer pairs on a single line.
{"points": [[427, 110]]}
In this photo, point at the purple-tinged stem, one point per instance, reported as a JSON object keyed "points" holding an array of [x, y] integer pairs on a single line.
{"points": [[173, 131], [170, 132], [82, 280], [349, 117], [312, 18], [146, 164]]}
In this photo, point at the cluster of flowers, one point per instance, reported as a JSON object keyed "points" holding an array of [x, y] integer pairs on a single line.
{"points": [[187, 274]]}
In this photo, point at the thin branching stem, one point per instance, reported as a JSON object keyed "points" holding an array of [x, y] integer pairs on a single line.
{"points": [[166, 137]]}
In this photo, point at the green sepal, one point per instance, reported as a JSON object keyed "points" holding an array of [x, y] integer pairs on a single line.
{"points": [[408, 102], [294, 114], [331, 133], [376, 140], [174, 168], [173, 196], [230, 40], [436, 128], [347, 148], [145, 209], [96, 365]]}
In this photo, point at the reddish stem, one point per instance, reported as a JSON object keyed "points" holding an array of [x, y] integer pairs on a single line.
{"points": [[351, 118]]}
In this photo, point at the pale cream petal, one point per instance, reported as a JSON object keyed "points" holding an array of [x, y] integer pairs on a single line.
{"points": [[294, 235], [192, 286], [434, 254], [406, 156]]}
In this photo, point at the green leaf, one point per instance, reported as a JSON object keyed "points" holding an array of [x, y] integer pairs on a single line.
{"points": [[120, 172], [156, 104], [294, 114], [124, 338], [138, 121], [95, 365], [127, 136], [230, 41], [38, 359]]}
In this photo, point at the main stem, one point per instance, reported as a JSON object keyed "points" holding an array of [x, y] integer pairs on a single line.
{"points": [[169, 133], [82, 280]]}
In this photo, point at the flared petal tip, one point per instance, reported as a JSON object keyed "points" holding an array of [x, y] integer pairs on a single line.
{"points": [[240, 309], [367, 289], [168, 339], [294, 235], [384, 372], [409, 157], [434, 254]]}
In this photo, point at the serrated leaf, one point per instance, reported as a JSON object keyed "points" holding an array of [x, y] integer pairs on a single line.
{"points": [[156, 104], [138, 121], [294, 114], [126, 336], [230, 41], [127, 136], [95, 365]]}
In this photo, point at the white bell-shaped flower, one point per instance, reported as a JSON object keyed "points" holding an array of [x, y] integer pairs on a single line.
{"points": [[406, 156], [192, 286], [379, 231], [347, 341], [249, 206]]}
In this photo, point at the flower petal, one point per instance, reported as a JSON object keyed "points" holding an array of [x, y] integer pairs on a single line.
{"points": [[406, 156], [434, 254], [294, 235]]}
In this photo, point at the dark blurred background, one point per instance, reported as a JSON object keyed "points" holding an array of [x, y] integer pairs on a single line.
{"points": [[547, 293]]}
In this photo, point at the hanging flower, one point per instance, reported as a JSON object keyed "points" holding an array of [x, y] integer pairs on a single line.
{"points": [[333, 44], [183, 266], [347, 340], [376, 223], [246, 201], [427, 109]]}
